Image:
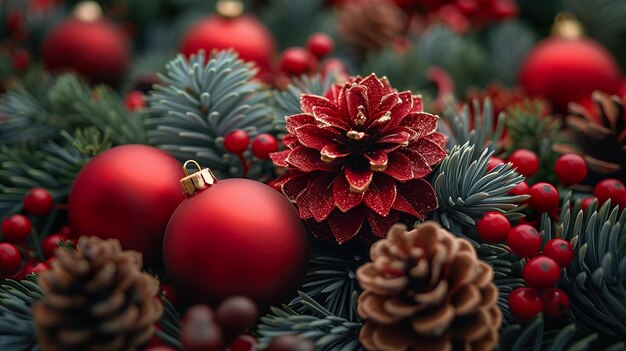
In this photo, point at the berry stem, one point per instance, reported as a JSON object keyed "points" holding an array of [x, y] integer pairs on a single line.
{"points": [[35, 237], [244, 164], [49, 222]]}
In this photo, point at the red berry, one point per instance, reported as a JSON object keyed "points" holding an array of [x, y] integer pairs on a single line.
{"points": [[560, 251], [525, 303], [555, 302], [10, 259], [199, 331], [21, 59], [584, 204], [263, 145], [66, 231], [235, 316], [524, 240], [135, 101], [38, 268], [543, 197], [297, 61], [51, 243], [467, 7], [243, 343], [170, 294], [236, 141], [611, 189], [38, 202], [333, 65], [571, 169], [493, 227], [320, 44], [494, 162], [520, 189], [541, 272], [16, 229], [526, 162], [502, 9]]}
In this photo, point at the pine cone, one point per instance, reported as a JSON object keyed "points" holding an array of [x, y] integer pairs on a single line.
{"points": [[426, 290], [602, 141], [96, 298], [371, 25]]}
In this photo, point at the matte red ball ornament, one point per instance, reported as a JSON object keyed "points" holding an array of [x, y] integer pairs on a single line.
{"points": [[541, 272], [526, 162], [493, 227], [234, 237], [16, 229], [88, 45], [38, 202], [555, 302], [10, 259], [612, 189], [571, 169], [127, 193], [524, 240], [525, 303], [560, 251], [543, 197]]}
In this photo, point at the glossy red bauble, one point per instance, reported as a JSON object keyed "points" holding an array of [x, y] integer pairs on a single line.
{"points": [[571, 169], [263, 145], [97, 50], [562, 71], [560, 251], [246, 34], [555, 302], [236, 141], [543, 197], [127, 193], [50, 244], [525, 303], [10, 259], [524, 240], [320, 44], [38, 202], [493, 227], [16, 229], [526, 162], [237, 237], [494, 162], [612, 189], [541, 272], [297, 61]]}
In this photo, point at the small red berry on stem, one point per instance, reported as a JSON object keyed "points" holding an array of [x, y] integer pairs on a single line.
{"points": [[611, 189], [16, 229], [524, 240], [526, 162], [199, 331], [38, 268], [493, 227], [263, 145], [333, 65], [66, 231], [560, 251], [502, 9], [10, 259], [520, 189], [297, 61], [525, 303], [135, 101], [50, 244], [320, 44], [571, 169], [584, 204], [236, 141], [21, 59], [543, 197], [541, 272], [494, 162], [235, 316], [38, 202], [243, 343], [555, 302]]}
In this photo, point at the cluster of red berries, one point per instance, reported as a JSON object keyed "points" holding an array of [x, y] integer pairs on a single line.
{"points": [[237, 141], [296, 61], [461, 14], [16, 259]]}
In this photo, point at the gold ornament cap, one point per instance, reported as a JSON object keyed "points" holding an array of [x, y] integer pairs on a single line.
{"points": [[197, 181], [229, 8], [567, 26], [88, 11]]}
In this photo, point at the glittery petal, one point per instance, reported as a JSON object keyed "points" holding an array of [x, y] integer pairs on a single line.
{"points": [[418, 103], [375, 90], [381, 225], [346, 225], [320, 190], [401, 204], [327, 117], [315, 137], [401, 137], [307, 102], [388, 102], [280, 158], [399, 167], [358, 180], [294, 122], [345, 199], [333, 93], [357, 96], [290, 141], [419, 166], [378, 159], [402, 109], [292, 184], [335, 151], [307, 160], [432, 152], [420, 195], [381, 194], [423, 122], [303, 202], [439, 139]]}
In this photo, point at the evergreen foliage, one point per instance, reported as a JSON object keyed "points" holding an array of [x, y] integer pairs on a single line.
{"points": [[17, 332]]}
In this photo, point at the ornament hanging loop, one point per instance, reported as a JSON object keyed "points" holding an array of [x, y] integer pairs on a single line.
{"points": [[197, 181]]}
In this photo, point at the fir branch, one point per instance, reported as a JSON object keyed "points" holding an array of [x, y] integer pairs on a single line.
{"points": [[288, 101], [292, 21], [170, 324], [474, 127], [17, 331], [203, 99], [327, 331], [508, 44], [466, 190], [528, 126]]}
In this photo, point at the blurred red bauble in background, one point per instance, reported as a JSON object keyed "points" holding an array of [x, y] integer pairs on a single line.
{"points": [[127, 193], [235, 237], [230, 29], [88, 45], [565, 70]]}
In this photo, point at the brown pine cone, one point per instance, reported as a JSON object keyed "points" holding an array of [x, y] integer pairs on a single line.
{"points": [[96, 298], [426, 290], [371, 25]]}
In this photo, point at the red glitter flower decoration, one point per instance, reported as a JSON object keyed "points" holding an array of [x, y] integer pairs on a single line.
{"points": [[358, 155]]}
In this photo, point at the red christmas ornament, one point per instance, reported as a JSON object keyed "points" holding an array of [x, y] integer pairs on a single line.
{"points": [[611, 189], [524, 240], [127, 193], [571, 169], [88, 45], [234, 237], [263, 145], [525, 303], [50, 244], [494, 162], [16, 229], [135, 101], [543, 197], [560, 251], [555, 302], [236, 141], [493, 227], [320, 44], [38, 202], [297, 61], [230, 29], [541, 272], [10, 259], [526, 162]]}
